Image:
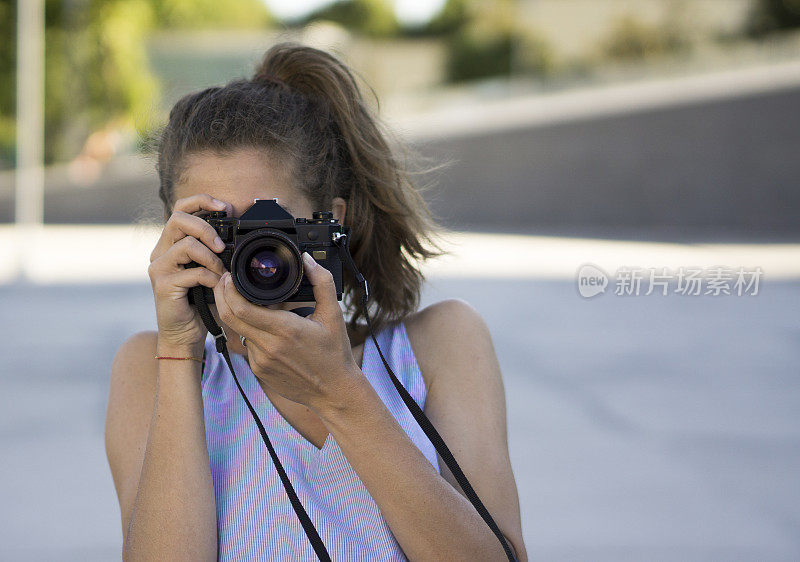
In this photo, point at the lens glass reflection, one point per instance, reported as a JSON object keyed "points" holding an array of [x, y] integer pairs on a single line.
{"points": [[264, 264], [270, 267]]}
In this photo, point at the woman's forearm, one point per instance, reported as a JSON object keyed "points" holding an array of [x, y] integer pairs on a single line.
{"points": [[174, 515], [428, 517]]}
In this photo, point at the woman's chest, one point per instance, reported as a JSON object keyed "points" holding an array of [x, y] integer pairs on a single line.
{"points": [[254, 514], [300, 417]]}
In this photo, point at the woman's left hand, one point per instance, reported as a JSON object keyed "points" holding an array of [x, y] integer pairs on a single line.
{"points": [[307, 360]]}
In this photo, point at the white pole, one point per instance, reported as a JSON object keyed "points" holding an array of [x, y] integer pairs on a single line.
{"points": [[29, 195]]}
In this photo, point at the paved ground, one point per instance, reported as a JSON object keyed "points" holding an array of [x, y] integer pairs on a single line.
{"points": [[641, 428]]}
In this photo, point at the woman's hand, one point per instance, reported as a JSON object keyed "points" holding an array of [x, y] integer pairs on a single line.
{"points": [[185, 238], [307, 360]]}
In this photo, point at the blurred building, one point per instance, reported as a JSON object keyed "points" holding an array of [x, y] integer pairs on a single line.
{"points": [[185, 61], [575, 28]]}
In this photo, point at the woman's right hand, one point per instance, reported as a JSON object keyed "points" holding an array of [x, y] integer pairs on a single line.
{"points": [[185, 238]]}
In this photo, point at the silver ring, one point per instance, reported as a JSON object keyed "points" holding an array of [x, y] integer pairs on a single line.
{"points": [[242, 339]]}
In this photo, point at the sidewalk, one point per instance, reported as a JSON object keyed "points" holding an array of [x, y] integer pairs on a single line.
{"points": [[640, 428]]}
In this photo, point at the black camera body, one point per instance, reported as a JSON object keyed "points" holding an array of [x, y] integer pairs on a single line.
{"points": [[263, 251]]}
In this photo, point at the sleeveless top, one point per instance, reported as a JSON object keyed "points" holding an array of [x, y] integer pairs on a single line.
{"points": [[255, 520]]}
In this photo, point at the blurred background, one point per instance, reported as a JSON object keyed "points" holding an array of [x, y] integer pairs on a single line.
{"points": [[618, 133]]}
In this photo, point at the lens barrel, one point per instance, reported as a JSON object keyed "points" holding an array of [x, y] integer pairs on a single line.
{"points": [[266, 266]]}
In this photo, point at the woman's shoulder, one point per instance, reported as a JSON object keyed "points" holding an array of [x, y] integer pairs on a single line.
{"points": [[138, 348], [134, 367], [141, 339], [442, 331]]}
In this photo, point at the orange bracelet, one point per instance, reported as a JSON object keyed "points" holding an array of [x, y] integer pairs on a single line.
{"points": [[192, 358]]}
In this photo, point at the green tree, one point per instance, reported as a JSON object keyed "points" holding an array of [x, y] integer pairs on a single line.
{"points": [[375, 18], [198, 14], [487, 39], [96, 66], [768, 16], [472, 56], [631, 39], [453, 16], [8, 78]]}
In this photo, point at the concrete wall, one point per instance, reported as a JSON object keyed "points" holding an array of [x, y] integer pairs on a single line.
{"points": [[731, 165]]}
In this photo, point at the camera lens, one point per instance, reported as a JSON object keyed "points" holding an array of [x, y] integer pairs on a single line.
{"points": [[267, 269], [266, 266]]}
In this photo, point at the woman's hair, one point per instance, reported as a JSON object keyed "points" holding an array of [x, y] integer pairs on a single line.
{"points": [[304, 107]]}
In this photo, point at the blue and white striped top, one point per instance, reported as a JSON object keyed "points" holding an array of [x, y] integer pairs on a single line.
{"points": [[255, 520]]}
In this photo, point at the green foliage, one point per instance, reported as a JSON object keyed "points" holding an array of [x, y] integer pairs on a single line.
{"points": [[8, 50], [375, 18], [534, 55], [769, 16], [631, 39], [488, 40], [8, 53], [95, 70], [122, 75], [453, 17], [96, 67], [216, 14], [472, 56]]}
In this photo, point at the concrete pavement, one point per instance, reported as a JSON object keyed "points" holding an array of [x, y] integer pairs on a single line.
{"points": [[640, 428]]}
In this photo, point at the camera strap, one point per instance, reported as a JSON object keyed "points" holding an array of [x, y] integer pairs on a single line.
{"points": [[221, 343], [342, 242]]}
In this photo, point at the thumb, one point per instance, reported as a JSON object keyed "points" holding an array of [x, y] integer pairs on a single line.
{"points": [[324, 287]]}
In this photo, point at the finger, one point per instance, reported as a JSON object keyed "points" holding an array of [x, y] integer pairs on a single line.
{"points": [[193, 277], [177, 225], [181, 225], [227, 315], [324, 287], [190, 249], [279, 322], [185, 279], [201, 202]]}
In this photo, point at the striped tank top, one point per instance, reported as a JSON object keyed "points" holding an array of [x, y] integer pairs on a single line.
{"points": [[255, 520]]}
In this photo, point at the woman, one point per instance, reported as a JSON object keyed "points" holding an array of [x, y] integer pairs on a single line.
{"points": [[193, 478]]}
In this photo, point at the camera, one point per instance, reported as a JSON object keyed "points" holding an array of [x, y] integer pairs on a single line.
{"points": [[263, 251]]}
